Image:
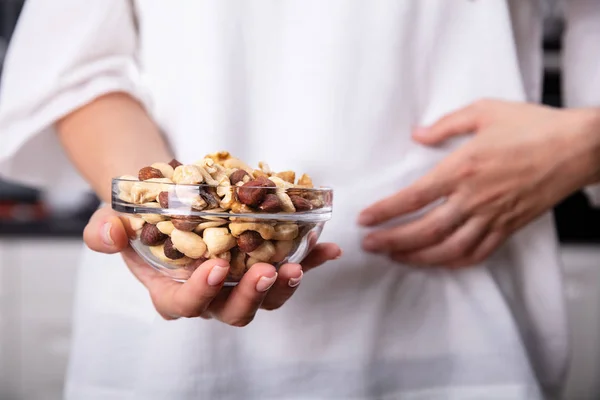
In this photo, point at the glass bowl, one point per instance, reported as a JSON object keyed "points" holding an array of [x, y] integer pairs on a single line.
{"points": [[175, 227]]}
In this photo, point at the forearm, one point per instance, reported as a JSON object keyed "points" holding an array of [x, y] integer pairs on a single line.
{"points": [[109, 137]]}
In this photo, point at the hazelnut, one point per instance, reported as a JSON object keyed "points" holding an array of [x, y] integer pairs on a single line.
{"points": [[184, 223], [151, 236], [301, 204], [249, 241], [239, 176], [170, 251], [187, 175], [237, 265], [163, 199], [253, 192], [174, 163], [271, 204], [149, 173]]}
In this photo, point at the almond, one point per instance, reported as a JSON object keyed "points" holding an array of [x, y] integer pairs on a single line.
{"points": [[151, 236], [149, 173]]}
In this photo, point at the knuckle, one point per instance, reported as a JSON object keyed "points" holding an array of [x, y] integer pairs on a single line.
{"points": [[435, 233], [187, 311]]}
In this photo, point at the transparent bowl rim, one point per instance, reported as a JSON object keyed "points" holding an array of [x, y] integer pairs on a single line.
{"points": [[311, 216], [204, 185]]}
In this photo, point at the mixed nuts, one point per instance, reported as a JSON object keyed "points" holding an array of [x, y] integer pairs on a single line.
{"points": [[219, 183]]}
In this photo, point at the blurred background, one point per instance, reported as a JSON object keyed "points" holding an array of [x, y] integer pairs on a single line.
{"points": [[40, 242]]}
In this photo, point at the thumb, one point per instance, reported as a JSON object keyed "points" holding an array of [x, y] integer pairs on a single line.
{"points": [[105, 232], [458, 123]]}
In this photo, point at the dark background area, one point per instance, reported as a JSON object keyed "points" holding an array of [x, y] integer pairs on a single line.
{"points": [[24, 211]]}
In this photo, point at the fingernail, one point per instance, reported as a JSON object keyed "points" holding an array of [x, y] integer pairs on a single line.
{"points": [[293, 282], [366, 219], [339, 255], [265, 283], [217, 275], [106, 238]]}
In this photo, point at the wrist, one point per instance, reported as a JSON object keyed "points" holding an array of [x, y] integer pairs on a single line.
{"points": [[584, 124]]}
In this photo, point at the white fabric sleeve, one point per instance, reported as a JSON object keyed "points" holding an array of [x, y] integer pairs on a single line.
{"points": [[581, 61], [63, 55]]}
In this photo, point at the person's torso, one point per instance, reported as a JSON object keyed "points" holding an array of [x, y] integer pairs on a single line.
{"points": [[333, 88]]}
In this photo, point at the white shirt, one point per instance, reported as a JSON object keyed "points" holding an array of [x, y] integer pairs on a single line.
{"points": [[332, 88]]}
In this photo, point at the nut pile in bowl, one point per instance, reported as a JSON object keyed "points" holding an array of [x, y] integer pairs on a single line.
{"points": [[180, 215]]}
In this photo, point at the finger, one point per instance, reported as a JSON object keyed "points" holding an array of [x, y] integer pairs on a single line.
{"points": [[241, 305], [105, 232], [458, 123], [456, 247], [288, 279], [433, 186], [482, 252], [321, 253], [434, 227], [174, 299]]}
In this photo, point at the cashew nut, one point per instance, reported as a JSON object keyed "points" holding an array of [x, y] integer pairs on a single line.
{"points": [[223, 256], [189, 196], [305, 181], [219, 157], [209, 224], [234, 163], [188, 243], [286, 202], [218, 240], [280, 183], [134, 225], [207, 176], [187, 175], [165, 227], [264, 167], [287, 176], [125, 187], [283, 248], [165, 168], [148, 190], [152, 218], [266, 231], [287, 231], [264, 252], [159, 252], [226, 192], [251, 261]]}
